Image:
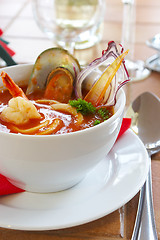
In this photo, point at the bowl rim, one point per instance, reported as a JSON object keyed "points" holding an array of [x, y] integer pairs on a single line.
{"points": [[79, 132]]}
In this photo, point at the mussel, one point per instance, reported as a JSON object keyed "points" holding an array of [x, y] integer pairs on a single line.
{"points": [[54, 71], [59, 85]]}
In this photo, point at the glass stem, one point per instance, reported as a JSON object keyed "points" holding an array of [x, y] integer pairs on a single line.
{"points": [[128, 26], [70, 46]]}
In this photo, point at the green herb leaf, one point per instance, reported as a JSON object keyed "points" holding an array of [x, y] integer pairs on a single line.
{"points": [[83, 106], [104, 113], [96, 122]]}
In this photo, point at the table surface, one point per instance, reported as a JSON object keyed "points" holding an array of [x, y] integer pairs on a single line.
{"points": [[28, 41]]}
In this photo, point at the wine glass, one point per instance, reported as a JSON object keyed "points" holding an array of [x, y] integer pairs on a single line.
{"points": [[72, 24], [136, 69], [153, 62]]}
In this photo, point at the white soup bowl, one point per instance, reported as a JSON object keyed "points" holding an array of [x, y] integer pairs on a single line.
{"points": [[55, 162]]}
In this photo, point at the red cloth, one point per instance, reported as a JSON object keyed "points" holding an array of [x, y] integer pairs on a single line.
{"points": [[8, 50], [4, 45], [7, 188], [1, 32], [126, 123]]}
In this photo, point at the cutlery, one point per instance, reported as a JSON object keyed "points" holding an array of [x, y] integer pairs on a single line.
{"points": [[153, 62], [145, 115], [154, 42]]}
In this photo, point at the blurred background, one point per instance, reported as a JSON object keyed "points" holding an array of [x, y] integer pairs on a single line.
{"points": [[27, 40], [140, 22], [133, 22]]}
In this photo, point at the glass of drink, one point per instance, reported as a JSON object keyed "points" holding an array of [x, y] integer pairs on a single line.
{"points": [[72, 24], [136, 68]]}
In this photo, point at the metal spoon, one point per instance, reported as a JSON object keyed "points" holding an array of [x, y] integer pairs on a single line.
{"points": [[145, 114]]}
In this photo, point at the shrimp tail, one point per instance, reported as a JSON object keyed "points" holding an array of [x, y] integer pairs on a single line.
{"points": [[13, 88]]}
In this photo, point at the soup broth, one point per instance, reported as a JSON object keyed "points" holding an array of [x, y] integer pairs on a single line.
{"points": [[67, 121]]}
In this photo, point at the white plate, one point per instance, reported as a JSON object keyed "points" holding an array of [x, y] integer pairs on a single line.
{"points": [[111, 184]]}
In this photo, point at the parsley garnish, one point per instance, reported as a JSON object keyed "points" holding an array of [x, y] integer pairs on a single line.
{"points": [[104, 113], [96, 122], [86, 108], [82, 106]]}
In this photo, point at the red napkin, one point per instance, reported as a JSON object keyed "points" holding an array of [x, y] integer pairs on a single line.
{"points": [[1, 32], [126, 123], [8, 50], [4, 45], [7, 188]]}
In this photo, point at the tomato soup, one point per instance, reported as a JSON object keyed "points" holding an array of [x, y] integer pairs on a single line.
{"points": [[55, 117]]}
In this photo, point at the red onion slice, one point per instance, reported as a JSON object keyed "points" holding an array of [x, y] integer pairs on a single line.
{"points": [[121, 77]]}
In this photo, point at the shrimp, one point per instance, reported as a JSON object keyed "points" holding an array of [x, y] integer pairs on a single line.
{"points": [[19, 110], [13, 88]]}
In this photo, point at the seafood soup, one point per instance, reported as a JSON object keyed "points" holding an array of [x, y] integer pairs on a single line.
{"points": [[57, 98]]}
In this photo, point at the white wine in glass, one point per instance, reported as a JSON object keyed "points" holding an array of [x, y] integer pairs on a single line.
{"points": [[70, 23]]}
